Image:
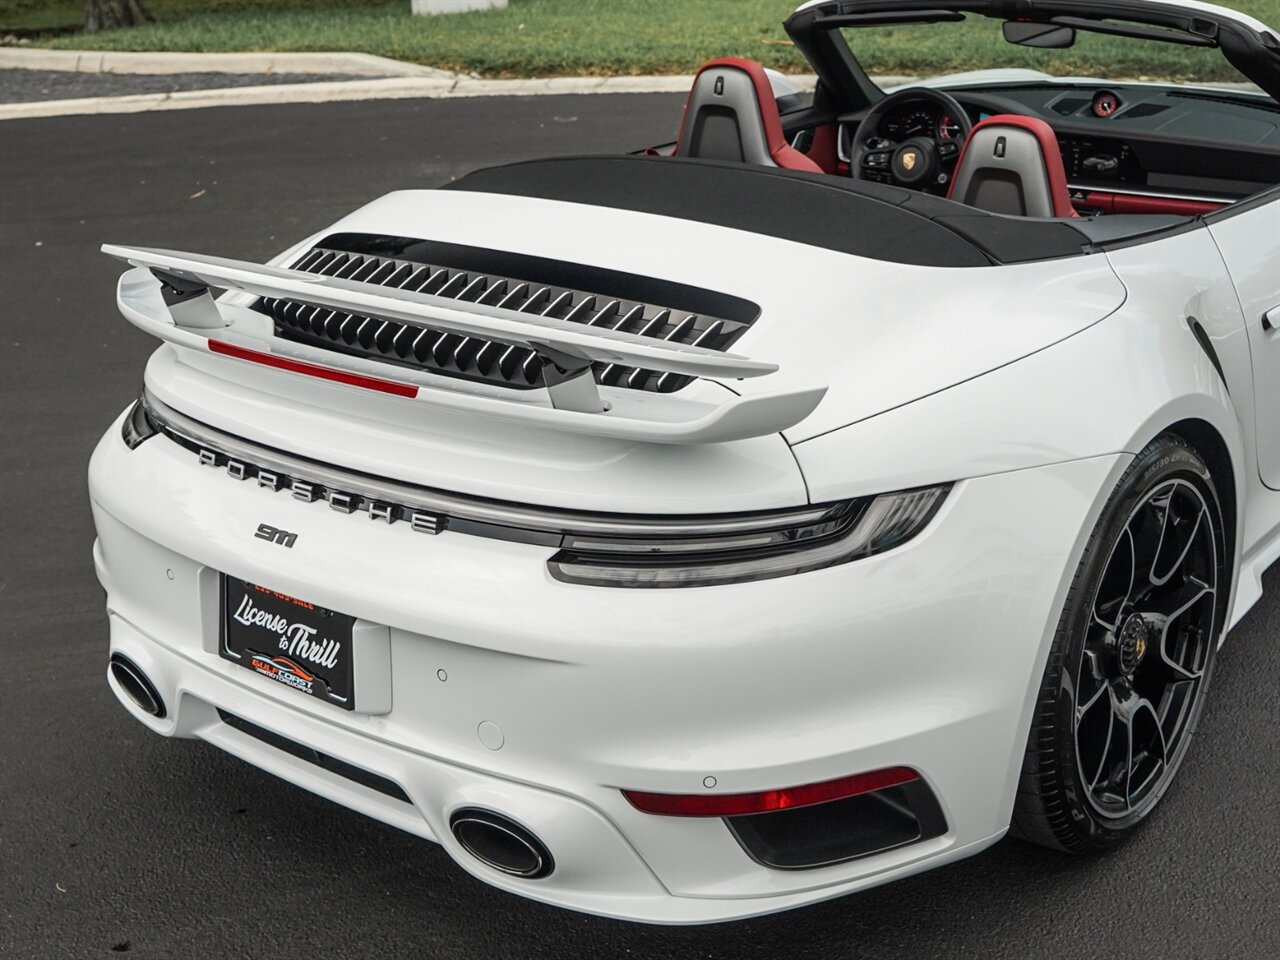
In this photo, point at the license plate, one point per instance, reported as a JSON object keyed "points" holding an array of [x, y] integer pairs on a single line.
{"points": [[290, 641]]}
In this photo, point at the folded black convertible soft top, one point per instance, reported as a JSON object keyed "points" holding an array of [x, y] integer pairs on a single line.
{"points": [[849, 216]]}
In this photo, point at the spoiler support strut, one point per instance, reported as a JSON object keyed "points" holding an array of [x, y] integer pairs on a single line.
{"points": [[569, 380], [189, 301]]}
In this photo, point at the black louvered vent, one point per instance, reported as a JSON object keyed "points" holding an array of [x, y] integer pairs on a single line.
{"points": [[1066, 106], [1140, 110], [433, 268]]}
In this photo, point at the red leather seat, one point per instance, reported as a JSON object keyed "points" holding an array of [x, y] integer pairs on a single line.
{"points": [[731, 115], [1011, 164]]}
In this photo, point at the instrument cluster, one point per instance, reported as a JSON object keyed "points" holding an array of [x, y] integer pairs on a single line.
{"points": [[919, 120]]}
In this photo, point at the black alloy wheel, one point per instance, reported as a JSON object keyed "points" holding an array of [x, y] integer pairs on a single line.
{"points": [[1130, 662]]}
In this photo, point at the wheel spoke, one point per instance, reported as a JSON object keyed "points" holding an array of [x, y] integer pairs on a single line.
{"points": [[1106, 750], [1180, 670], [1169, 619], [1145, 704], [1093, 699], [1095, 669], [1145, 760], [1127, 721], [1147, 540], [1119, 575], [1182, 554]]}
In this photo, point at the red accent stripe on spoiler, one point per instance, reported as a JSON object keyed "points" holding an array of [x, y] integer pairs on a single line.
{"points": [[312, 370]]}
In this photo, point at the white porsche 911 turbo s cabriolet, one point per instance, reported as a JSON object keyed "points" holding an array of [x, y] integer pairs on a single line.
{"points": [[696, 534]]}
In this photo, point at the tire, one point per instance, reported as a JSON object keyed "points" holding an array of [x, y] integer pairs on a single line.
{"points": [[1141, 650]]}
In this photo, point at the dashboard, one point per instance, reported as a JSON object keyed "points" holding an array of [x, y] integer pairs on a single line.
{"points": [[1199, 148]]}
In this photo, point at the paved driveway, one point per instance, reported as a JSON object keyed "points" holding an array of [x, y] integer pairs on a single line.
{"points": [[116, 842]]}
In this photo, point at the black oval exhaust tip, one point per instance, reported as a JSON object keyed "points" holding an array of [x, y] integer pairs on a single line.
{"points": [[137, 685], [501, 843]]}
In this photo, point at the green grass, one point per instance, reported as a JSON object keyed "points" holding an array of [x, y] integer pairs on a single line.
{"points": [[593, 37], [530, 38]]}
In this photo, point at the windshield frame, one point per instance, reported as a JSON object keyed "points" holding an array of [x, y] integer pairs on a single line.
{"points": [[817, 30]]}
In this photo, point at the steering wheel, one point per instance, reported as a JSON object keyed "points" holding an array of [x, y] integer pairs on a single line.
{"points": [[918, 163]]}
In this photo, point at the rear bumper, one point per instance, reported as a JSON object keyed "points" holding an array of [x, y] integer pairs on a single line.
{"points": [[922, 657], [598, 871]]}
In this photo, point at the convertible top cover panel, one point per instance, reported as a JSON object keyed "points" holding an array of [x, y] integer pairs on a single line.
{"points": [[848, 216]]}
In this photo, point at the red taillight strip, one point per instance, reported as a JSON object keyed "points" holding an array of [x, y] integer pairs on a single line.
{"points": [[767, 801], [312, 370]]}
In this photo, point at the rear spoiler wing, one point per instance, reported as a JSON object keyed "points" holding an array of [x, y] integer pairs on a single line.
{"points": [[167, 294]]}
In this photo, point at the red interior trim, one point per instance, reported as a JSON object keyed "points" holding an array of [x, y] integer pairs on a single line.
{"points": [[1097, 200], [1133, 203], [781, 152], [312, 370], [1049, 149], [1109, 202], [823, 151], [786, 798]]}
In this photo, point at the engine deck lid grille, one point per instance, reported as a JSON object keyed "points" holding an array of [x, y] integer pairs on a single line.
{"points": [[575, 293]]}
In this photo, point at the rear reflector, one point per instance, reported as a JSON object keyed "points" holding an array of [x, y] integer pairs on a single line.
{"points": [[767, 801], [312, 370]]}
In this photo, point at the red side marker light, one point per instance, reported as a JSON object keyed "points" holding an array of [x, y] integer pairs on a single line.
{"points": [[312, 370], [768, 801]]}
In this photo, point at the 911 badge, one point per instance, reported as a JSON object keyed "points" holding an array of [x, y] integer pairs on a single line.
{"points": [[281, 537], [290, 641]]}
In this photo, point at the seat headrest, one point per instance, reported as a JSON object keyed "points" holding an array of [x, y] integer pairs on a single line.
{"points": [[731, 114], [1012, 164]]}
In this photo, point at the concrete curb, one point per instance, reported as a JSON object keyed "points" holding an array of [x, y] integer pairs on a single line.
{"points": [[391, 88], [98, 61]]}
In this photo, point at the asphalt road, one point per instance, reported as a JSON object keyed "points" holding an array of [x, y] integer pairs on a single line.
{"points": [[114, 841]]}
